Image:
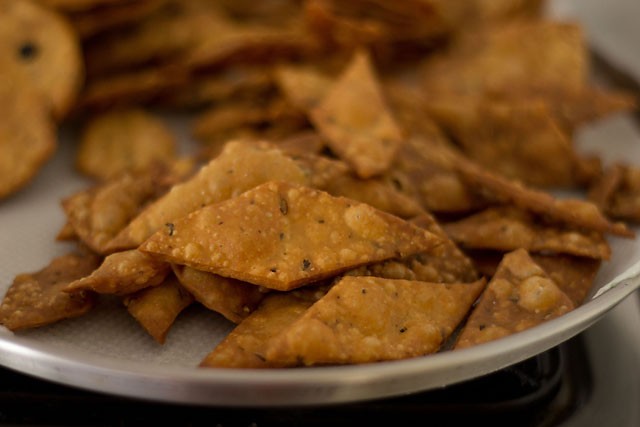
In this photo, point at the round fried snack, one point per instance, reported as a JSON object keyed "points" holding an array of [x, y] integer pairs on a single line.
{"points": [[27, 136], [39, 44], [123, 140]]}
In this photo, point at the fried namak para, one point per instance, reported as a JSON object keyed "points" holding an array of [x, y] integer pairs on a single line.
{"points": [[617, 192], [519, 296], [234, 299], [38, 299], [240, 166], [282, 235], [445, 263], [506, 228], [156, 308], [573, 212], [518, 139], [124, 140], [354, 118], [122, 273], [245, 346], [369, 319], [97, 214]]}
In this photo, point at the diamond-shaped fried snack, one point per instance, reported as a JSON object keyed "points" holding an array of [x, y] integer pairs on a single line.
{"points": [[376, 192], [369, 319], [573, 212], [97, 214], [356, 120], [445, 263], [573, 275], [520, 295], [304, 87], [38, 299], [282, 235], [240, 166], [122, 273], [156, 308], [246, 344], [506, 228], [508, 56], [519, 139], [617, 192], [232, 298]]}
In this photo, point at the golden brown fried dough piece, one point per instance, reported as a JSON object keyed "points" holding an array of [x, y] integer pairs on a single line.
{"points": [[617, 192], [355, 120], [38, 299], [27, 135], [506, 228], [282, 236], [368, 319], [125, 140], [240, 167], [519, 296], [246, 344], [234, 299], [157, 308], [122, 273], [38, 45]]}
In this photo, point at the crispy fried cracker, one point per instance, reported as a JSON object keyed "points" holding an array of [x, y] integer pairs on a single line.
{"points": [[356, 121], [573, 212], [573, 275], [39, 45], [245, 346], [519, 139], [368, 319], [304, 87], [241, 166], [520, 295], [234, 299], [156, 308], [124, 140], [282, 235], [445, 263], [617, 192], [506, 228], [27, 135], [122, 273], [98, 213], [37, 299]]}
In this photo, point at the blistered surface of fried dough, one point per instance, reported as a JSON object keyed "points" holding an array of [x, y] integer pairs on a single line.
{"points": [[573, 275], [572, 212], [38, 44], [518, 139], [282, 235], [445, 263], [234, 299], [356, 121], [122, 273], [377, 192], [367, 319], [617, 192], [423, 170], [507, 228], [38, 299], [156, 308], [520, 295], [124, 140], [97, 214], [241, 166], [27, 136], [246, 344]]}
